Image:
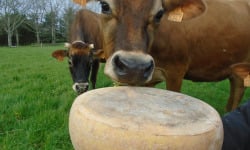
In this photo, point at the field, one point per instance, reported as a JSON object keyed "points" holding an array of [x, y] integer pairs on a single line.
{"points": [[36, 96]]}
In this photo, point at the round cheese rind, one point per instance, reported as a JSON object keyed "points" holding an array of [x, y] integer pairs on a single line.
{"points": [[118, 118]]}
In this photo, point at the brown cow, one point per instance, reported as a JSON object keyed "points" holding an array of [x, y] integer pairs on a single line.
{"points": [[145, 43]]}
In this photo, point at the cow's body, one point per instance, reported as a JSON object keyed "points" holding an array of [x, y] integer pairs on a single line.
{"points": [[198, 49], [204, 48]]}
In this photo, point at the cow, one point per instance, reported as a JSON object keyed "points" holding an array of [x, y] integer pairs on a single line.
{"points": [[83, 57], [147, 42]]}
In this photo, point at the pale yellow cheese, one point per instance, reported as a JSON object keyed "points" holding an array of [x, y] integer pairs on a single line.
{"points": [[137, 118]]}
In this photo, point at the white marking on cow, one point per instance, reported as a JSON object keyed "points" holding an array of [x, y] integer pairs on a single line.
{"points": [[84, 85], [91, 46], [67, 45]]}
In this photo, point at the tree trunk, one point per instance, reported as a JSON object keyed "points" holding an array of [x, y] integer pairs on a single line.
{"points": [[38, 41], [53, 34], [17, 38], [9, 38], [53, 28]]}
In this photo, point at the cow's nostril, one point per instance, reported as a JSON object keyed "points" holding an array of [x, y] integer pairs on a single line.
{"points": [[121, 65], [78, 88], [148, 69]]}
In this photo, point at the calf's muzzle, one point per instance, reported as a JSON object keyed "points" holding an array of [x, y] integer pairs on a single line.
{"points": [[80, 87]]}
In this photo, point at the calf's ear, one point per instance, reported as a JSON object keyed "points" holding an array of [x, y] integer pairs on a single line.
{"points": [[60, 54], [180, 10]]}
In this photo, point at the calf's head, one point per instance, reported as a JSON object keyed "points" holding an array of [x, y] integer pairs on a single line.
{"points": [[80, 57], [128, 32]]}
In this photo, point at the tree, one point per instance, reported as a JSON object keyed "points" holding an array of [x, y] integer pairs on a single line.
{"points": [[67, 20], [36, 16], [12, 12], [53, 9], [49, 20]]}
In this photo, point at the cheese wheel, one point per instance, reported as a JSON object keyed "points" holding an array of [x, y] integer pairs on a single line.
{"points": [[140, 118]]}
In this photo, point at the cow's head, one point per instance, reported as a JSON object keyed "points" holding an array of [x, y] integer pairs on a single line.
{"points": [[80, 57], [128, 29]]}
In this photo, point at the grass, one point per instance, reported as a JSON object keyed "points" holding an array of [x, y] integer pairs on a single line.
{"points": [[35, 99], [36, 96]]}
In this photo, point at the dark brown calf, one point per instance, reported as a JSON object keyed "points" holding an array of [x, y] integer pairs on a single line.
{"points": [[81, 54]]}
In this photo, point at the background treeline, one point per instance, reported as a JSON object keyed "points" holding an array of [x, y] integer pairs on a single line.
{"points": [[24, 22]]}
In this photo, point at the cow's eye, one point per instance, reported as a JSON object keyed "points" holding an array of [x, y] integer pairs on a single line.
{"points": [[158, 16], [105, 7]]}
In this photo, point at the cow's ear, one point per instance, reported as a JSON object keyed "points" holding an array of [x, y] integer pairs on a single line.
{"points": [[60, 54], [99, 53], [242, 70], [180, 10]]}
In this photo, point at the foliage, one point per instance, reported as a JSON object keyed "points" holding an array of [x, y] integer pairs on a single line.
{"points": [[45, 20], [36, 97]]}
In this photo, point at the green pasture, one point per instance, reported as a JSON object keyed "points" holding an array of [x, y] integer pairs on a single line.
{"points": [[36, 96]]}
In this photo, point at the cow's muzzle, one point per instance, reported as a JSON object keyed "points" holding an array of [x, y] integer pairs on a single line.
{"points": [[133, 68], [80, 87]]}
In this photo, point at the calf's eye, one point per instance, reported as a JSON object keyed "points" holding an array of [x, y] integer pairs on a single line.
{"points": [[70, 62]]}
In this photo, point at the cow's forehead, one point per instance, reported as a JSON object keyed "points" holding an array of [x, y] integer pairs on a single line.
{"points": [[137, 6], [79, 51]]}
